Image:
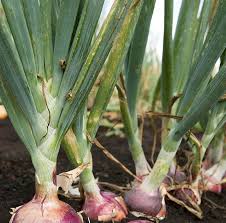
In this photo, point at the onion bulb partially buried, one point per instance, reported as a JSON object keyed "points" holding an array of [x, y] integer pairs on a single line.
{"points": [[148, 203], [45, 210], [105, 207]]}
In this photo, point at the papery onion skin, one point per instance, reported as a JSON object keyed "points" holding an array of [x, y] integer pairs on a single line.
{"points": [[187, 195], [106, 207], [45, 211], [151, 204], [174, 176]]}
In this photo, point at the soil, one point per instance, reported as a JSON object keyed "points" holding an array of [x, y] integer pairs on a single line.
{"points": [[17, 176]]}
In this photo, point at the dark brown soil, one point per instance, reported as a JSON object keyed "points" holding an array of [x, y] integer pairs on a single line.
{"points": [[17, 176]]}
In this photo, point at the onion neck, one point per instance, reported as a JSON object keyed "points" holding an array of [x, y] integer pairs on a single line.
{"points": [[162, 165], [78, 152], [129, 118], [88, 181], [45, 191], [141, 165], [45, 176]]}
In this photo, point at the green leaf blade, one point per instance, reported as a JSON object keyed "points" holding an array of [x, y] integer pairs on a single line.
{"points": [[63, 35]]}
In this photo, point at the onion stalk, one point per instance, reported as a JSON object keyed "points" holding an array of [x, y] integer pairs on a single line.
{"points": [[207, 173], [200, 93], [166, 94], [100, 205], [129, 95]]}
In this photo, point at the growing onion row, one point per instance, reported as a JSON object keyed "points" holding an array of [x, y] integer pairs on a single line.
{"points": [[51, 59]]}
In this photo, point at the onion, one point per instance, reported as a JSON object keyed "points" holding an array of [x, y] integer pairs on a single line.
{"points": [[185, 194], [174, 176], [45, 211], [149, 203], [105, 207], [188, 196], [45, 207]]}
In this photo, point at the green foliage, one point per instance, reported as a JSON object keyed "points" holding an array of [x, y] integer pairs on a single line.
{"points": [[50, 62], [167, 57], [134, 61], [200, 91]]}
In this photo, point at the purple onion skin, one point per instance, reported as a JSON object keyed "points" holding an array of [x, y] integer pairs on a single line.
{"points": [[148, 203], [45, 210], [174, 176], [179, 177], [182, 194], [107, 207], [186, 195]]}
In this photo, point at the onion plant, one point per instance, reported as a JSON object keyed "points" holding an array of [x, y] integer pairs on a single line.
{"points": [[212, 160], [100, 205], [129, 98], [199, 95], [188, 60], [50, 59], [192, 25]]}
